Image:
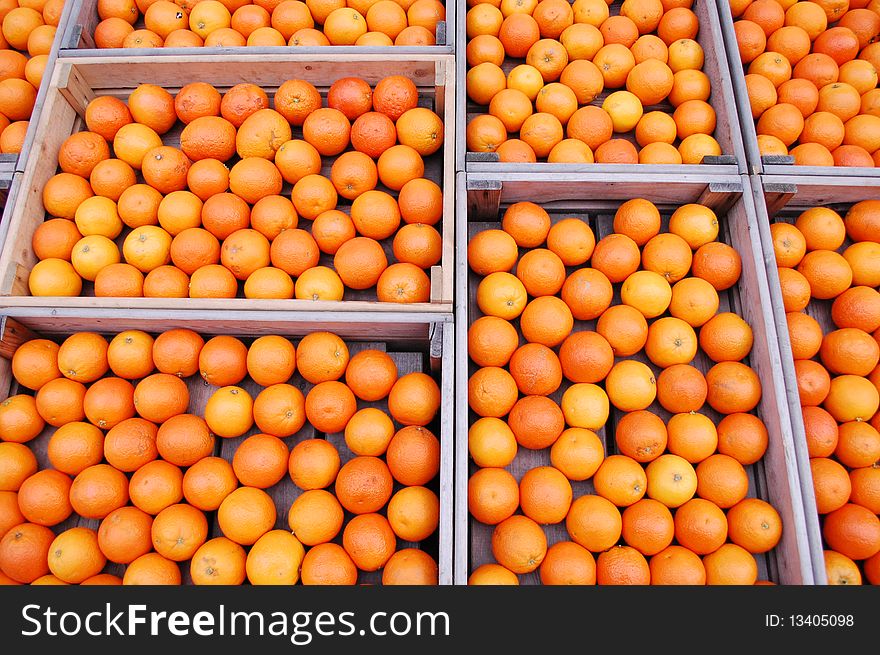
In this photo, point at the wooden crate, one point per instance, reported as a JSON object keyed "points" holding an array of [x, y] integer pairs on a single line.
{"points": [[767, 164], [77, 81], [79, 29], [433, 354], [775, 478], [732, 161], [16, 163], [783, 199]]}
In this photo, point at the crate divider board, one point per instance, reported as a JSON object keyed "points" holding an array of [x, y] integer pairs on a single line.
{"points": [[727, 132], [767, 164], [79, 28], [783, 199], [75, 82], [775, 478], [409, 356]]}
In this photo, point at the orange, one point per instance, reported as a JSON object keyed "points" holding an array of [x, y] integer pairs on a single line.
{"points": [[492, 251], [858, 444], [536, 369], [545, 495], [315, 517], [754, 525], [692, 436], [726, 337], [730, 564], [43, 498], [275, 558], [18, 464], [821, 432], [260, 461], [647, 526], [313, 464], [565, 563], [55, 239], [622, 565], [621, 480], [369, 432], [857, 307], [363, 485], [178, 531], [536, 422], [219, 561], [114, 32], [519, 544], [671, 480], [74, 555], [849, 350], [840, 569], [491, 443], [641, 435], [369, 540], [800, 93], [98, 490], [861, 257], [694, 300], [617, 256], [762, 94], [10, 514], [414, 513], [625, 329], [700, 526], [864, 482], [19, 419], [853, 531], [413, 456], [24, 552], [831, 484], [813, 382], [410, 566], [577, 453], [546, 320], [35, 363], [789, 244], [594, 523], [681, 388], [677, 565], [108, 402], [631, 386], [827, 272], [669, 255], [124, 535], [246, 514], [329, 406], [851, 398], [646, 291], [590, 124], [586, 357]]}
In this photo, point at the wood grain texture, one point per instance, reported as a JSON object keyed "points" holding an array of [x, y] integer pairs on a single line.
{"points": [[408, 358], [775, 478], [403, 327], [74, 83]]}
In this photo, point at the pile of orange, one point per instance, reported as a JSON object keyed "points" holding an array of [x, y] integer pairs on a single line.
{"points": [[27, 30], [141, 208], [128, 446], [237, 23], [571, 83], [829, 267], [811, 75], [560, 362]]}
